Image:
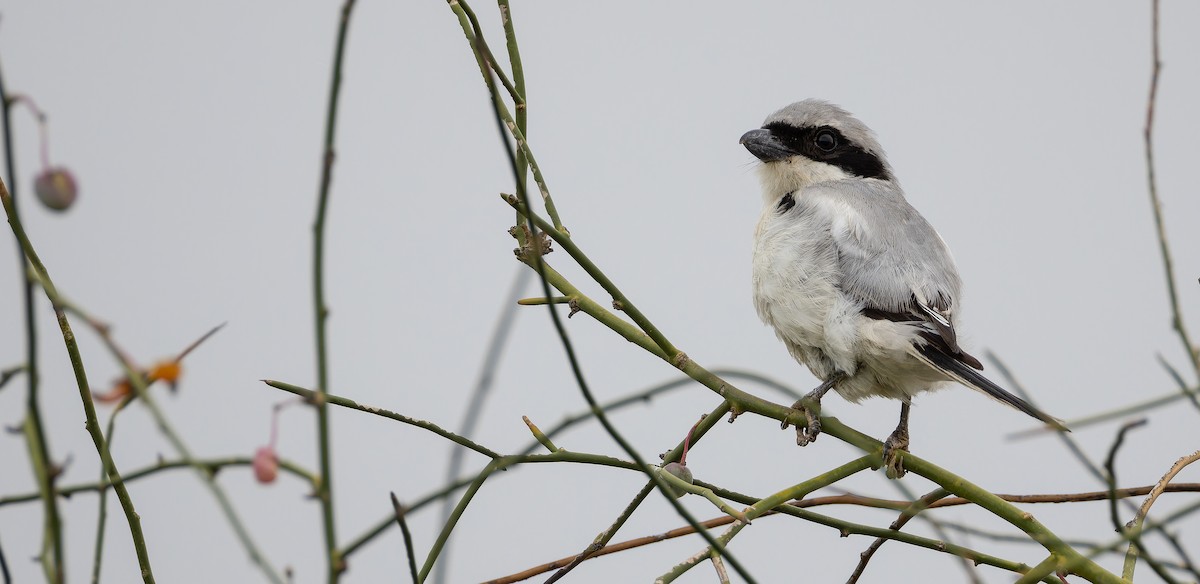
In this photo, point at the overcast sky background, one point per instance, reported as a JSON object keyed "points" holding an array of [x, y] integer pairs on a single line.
{"points": [[194, 131]]}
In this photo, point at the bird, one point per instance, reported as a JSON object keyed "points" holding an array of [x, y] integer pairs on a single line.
{"points": [[856, 283]]}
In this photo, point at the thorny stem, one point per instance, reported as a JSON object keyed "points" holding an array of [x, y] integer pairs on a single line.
{"points": [[85, 392], [43, 465], [325, 487]]}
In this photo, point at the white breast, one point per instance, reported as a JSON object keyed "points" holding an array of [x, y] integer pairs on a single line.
{"points": [[795, 275]]}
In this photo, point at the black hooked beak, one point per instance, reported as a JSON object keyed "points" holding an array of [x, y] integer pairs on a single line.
{"points": [[765, 145]]}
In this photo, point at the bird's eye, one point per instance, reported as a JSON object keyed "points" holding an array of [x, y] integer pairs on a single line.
{"points": [[826, 140]]}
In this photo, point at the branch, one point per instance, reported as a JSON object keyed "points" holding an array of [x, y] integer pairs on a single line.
{"points": [[43, 465], [311, 396], [1156, 204], [911, 511], [321, 311], [85, 394], [1134, 546], [408, 544]]}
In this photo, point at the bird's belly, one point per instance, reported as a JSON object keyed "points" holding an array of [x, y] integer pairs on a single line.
{"points": [[794, 278]]}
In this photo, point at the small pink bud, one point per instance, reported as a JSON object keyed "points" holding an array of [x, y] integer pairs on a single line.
{"points": [[266, 465], [55, 188]]}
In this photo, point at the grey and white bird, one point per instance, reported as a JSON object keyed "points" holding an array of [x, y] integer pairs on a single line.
{"points": [[855, 282]]}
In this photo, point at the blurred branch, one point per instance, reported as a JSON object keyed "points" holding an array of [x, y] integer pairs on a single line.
{"points": [[1184, 391], [89, 408], [321, 310], [4, 567], [909, 512], [214, 465], [1113, 414], [138, 382], [43, 463], [483, 384], [7, 375], [1156, 204]]}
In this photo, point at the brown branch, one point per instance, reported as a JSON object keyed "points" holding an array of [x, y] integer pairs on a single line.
{"points": [[846, 499], [852, 499]]}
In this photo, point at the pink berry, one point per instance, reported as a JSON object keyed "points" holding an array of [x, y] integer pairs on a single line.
{"points": [[266, 465], [55, 188]]}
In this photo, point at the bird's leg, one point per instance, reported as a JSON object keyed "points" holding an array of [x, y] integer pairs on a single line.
{"points": [[808, 432], [892, 463]]}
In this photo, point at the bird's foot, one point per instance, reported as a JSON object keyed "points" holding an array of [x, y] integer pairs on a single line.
{"points": [[810, 406], [807, 432], [893, 463]]}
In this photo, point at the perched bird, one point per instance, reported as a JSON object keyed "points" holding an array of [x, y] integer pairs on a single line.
{"points": [[855, 282]]}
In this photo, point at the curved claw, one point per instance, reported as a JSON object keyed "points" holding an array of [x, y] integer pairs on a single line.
{"points": [[807, 433], [893, 463]]}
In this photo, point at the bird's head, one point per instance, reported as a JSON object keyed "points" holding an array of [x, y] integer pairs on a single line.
{"points": [[814, 141]]}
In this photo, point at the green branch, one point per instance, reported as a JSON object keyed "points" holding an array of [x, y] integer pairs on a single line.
{"points": [[321, 310], [85, 392]]}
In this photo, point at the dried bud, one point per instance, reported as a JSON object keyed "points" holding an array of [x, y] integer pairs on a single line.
{"points": [[681, 472], [266, 465], [55, 188]]}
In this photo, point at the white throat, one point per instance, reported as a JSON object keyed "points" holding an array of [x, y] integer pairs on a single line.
{"points": [[788, 176]]}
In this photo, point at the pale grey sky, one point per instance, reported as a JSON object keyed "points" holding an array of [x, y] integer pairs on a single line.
{"points": [[194, 131]]}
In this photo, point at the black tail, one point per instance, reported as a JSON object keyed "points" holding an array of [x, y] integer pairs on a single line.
{"points": [[962, 373]]}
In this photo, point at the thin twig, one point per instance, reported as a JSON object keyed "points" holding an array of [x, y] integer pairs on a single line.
{"points": [[43, 465], [1184, 390], [1135, 539], [8, 374], [1110, 466], [85, 393], [408, 543], [912, 511], [213, 465], [4, 567], [321, 310], [310, 396], [1118, 413], [1131, 556], [1156, 204]]}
